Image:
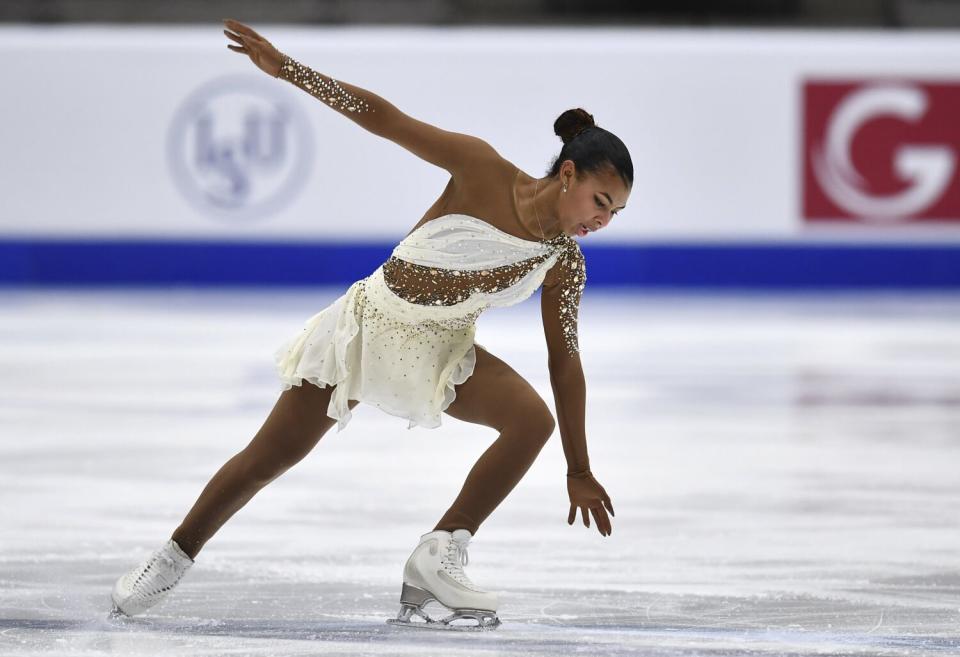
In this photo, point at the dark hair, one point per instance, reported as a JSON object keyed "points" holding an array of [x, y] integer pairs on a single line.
{"points": [[591, 148]]}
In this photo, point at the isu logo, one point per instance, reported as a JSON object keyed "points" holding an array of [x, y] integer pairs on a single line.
{"points": [[882, 152], [238, 149]]}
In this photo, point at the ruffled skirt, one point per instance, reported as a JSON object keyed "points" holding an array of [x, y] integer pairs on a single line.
{"points": [[377, 348]]}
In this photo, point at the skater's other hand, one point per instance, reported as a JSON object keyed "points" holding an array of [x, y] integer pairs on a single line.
{"points": [[586, 493], [261, 52]]}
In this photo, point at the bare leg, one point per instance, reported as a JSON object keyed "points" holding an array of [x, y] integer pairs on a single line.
{"points": [[496, 473], [496, 396], [295, 425]]}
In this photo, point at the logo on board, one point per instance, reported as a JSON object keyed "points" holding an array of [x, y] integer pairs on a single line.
{"points": [[238, 149], [881, 151]]}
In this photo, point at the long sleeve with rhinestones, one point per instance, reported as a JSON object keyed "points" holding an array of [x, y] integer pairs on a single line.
{"points": [[562, 302], [364, 107], [559, 303], [574, 280]]}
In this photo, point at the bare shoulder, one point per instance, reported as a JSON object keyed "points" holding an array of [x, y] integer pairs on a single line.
{"points": [[482, 188], [487, 173]]}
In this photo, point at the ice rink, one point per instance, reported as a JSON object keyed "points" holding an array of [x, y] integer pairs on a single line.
{"points": [[784, 470]]}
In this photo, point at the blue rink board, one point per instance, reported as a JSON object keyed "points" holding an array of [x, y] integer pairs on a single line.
{"points": [[28, 262]]}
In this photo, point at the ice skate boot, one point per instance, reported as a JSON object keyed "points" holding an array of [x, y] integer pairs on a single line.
{"points": [[434, 573], [149, 583]]}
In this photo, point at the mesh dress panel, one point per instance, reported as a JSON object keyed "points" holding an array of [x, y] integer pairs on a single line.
{"points": [[425, 285], [441, 286]]}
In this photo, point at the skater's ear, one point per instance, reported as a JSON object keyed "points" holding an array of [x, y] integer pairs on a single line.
{"points": [[453, 151]]}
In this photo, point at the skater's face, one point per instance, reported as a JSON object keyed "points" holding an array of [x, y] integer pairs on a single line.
{"points": [[591, 202]]}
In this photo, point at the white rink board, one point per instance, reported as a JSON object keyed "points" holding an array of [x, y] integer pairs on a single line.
{"points": [[94, 131]]}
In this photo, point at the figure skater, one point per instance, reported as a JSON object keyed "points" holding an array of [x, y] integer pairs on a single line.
{"points": [[402, 339]]}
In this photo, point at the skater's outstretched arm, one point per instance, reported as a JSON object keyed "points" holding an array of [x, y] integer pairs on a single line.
{"points": [[559, 303], [452, 151]]}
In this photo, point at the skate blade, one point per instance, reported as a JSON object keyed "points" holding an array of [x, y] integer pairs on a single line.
{"points": [[443, 626], [116, 614], [485, 620]]}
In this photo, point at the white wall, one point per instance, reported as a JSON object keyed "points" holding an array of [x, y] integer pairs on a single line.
{"points": [[99, 122]]}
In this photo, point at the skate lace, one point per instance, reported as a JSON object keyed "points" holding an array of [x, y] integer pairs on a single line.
{"points": [[160, 574], [456, 559]]}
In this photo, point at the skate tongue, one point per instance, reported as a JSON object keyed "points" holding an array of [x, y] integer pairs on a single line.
{"points": [[461, 535], [172, 546]]}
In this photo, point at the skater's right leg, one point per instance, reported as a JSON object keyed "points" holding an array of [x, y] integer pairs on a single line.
{"points": [[496, 396], [295, 425]]}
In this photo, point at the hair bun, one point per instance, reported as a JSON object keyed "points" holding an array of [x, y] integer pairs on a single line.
{"points": [[572, 122]]}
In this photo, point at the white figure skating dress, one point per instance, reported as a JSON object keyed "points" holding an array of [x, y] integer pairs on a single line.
{"points": [[403, 337]]}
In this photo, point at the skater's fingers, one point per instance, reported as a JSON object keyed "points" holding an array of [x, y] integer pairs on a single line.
{"points": [[607, 503], [603, 521], [244, 46], [237, 26], [232, 36], [249, 42], [572, 515], [586, 517], [593, 511]]}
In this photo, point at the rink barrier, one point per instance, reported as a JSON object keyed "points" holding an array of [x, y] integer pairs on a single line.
{"points": [[155, 263], [743, 141]]}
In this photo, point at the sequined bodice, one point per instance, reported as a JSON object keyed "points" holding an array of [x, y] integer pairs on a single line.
{"points": [[458, 259]]}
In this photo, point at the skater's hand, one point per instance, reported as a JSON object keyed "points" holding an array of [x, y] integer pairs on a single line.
{"points": [[261, 51], [586, 493]]}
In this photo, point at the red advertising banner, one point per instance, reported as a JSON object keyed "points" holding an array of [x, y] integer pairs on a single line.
{"points": [[881, 151]]}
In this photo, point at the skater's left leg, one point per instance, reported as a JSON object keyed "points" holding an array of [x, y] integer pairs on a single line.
{"points": [[295, 425], [496, 396]]}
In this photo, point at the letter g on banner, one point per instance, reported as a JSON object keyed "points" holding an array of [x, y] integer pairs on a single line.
{"points": [[878, 152], [238, 150]]}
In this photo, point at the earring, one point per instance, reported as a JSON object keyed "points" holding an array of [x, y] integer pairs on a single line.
{"points": [[564, 188]]}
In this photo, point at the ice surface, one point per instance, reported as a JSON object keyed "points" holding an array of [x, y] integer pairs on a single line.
{"points": [[784, 473]]}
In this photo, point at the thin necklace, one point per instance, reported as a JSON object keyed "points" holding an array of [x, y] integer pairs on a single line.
{"points": [[535, 213]]}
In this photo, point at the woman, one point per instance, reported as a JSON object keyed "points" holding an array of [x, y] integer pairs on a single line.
{"points": [[402, 339]]}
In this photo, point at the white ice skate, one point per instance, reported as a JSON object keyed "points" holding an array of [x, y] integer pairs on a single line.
{"points": [[149, 583], [434, 573]]}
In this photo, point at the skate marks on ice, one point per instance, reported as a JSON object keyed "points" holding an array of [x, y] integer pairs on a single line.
{"points": [[237, 611], [784, 475], [568, 622], [780, 623]]}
